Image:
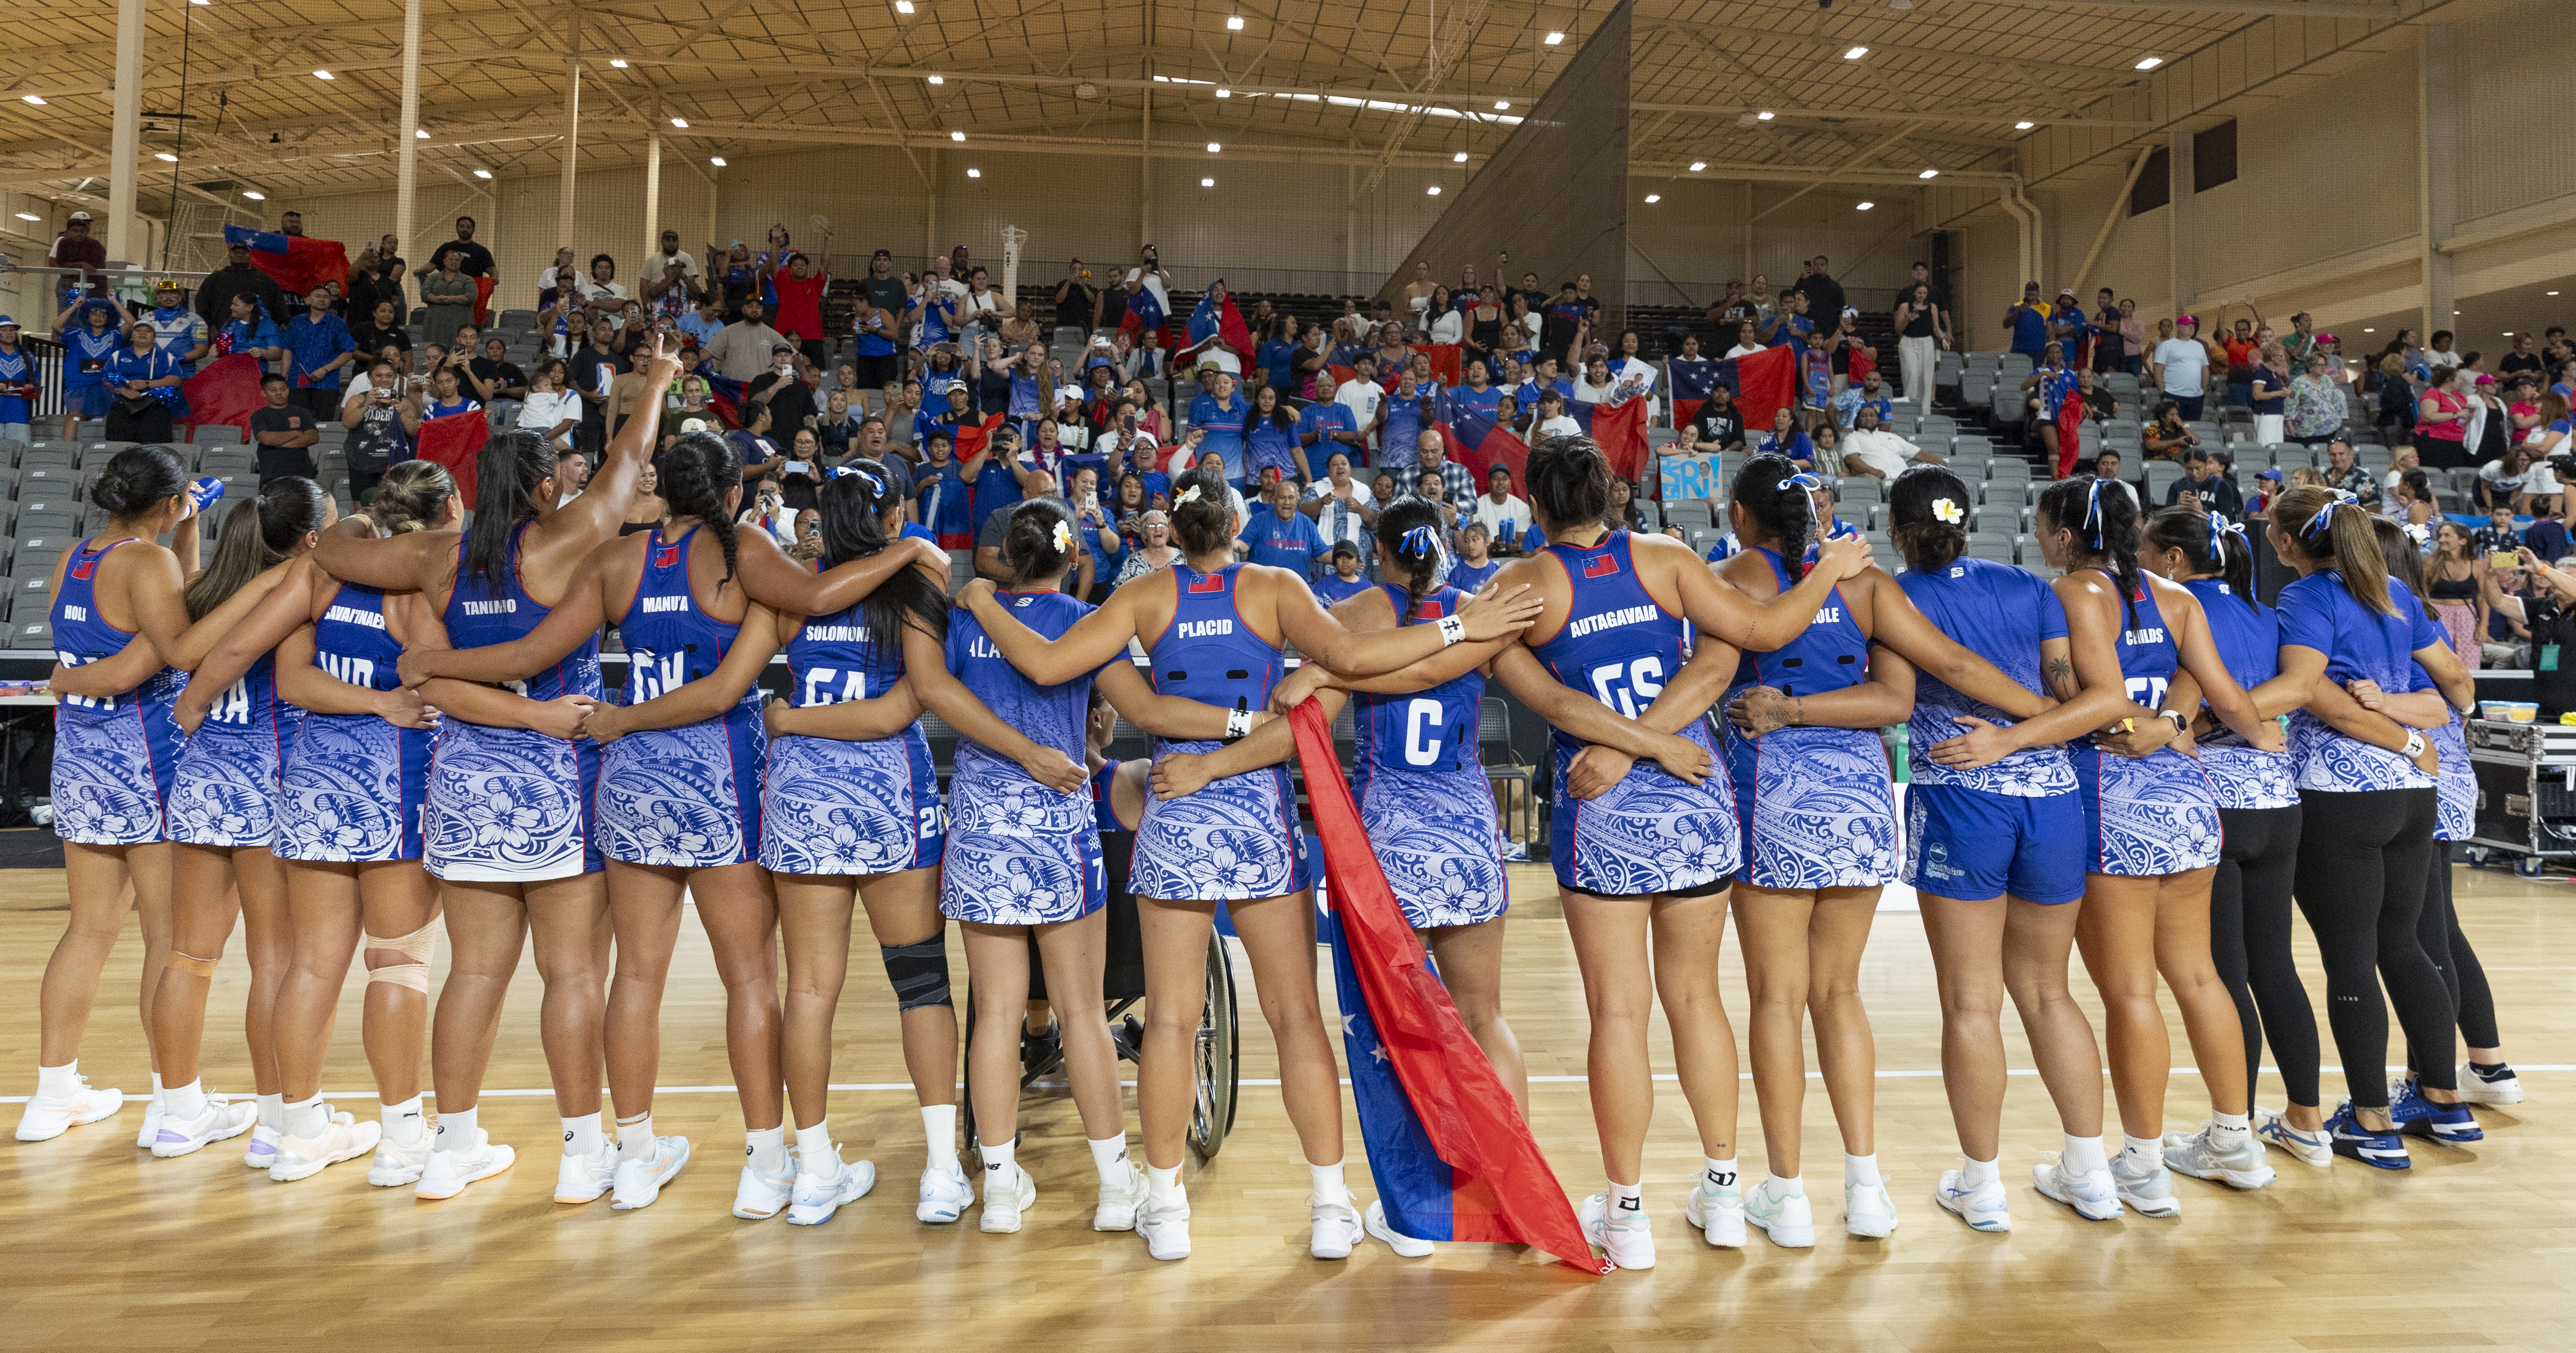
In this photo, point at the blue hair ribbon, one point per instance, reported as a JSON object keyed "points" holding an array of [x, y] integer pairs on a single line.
{"points": [[2325, 515], [1422, 540]]}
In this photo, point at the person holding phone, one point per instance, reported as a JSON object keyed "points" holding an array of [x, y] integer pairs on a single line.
{"points": [[383, 415]]}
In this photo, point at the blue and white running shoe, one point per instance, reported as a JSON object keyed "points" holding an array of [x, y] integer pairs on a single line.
{"points": [[2379, 1150], [2451, 1124]]}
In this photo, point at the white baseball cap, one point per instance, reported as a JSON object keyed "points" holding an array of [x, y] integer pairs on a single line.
{"points": [[80, 216]]}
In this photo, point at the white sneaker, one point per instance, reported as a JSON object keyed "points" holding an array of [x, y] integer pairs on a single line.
{"points": [[45, 1119], [2149, 1192], [217, 1121], [2505, 1088], [2197, 1154], [2272, 1128], [586, 1177], [1120, 1201], [1790, 1222], [448, 1172], [1983, 1209], [1335, 1229], [824, 1184], [639, 1180], [1867, 1210], [1626, 1243], [1718, 1213], [1409, 1247], [1166, 1230], [396, 1164], [759, 1197], [945, 1195], [151, 1130], [342, 1138], [1005, 1200], [262, 1151], [2093, 1195]]}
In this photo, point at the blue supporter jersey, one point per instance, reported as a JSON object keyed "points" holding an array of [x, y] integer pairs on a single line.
{"points": [[2002, 614], [1294, 544]]}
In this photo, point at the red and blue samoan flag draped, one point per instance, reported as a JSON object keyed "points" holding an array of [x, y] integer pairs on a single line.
{"points": [[1148, 307], [1618, 429], [297, 263], [1221, 323], [1451, 1154], [724, 393], [1478, 442]]}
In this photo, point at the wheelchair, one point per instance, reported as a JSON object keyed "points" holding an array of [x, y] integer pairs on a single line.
{"points": [[1220, 1033]]}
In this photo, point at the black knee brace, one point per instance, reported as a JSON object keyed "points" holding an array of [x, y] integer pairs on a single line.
{"points": [[919, 972]]}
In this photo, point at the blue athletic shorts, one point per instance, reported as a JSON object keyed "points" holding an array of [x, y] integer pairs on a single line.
{"points": [[1972, 845]]}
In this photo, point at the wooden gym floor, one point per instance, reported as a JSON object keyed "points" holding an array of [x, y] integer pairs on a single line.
{"points": [[103, 1247]]}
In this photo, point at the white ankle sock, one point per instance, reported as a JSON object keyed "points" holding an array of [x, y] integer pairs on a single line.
{"points": [[1330, 1187], [2143, 1155], [1109, 1157], [403, 1123], [1627, 1202], [1786, 1186], [59, 1082], [1716, 1175], [2230, 1131], [997, 1164], [272, 1110], [767, 1148], [814, 1144], [456, 1130], [1860, 1170], [306, 1119], [939, 1124], [159, 1095], [635, 1140], [581, 1136], [2084, 1155], [1976, 1174], [185, 1102], [1163, 1186]]}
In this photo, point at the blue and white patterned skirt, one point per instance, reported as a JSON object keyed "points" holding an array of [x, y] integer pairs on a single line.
{"points": [[685, 797], [1234, 840], [833, 807], [113, 767], [1438, 841], [355, 791], [229, 780], [2146, 816], [1020, 853], [1816, 806], [1649, 834], [510, 805]]}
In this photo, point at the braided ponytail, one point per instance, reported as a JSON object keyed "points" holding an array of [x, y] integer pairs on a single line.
{"points": [[699, 479], [1409, 530]]}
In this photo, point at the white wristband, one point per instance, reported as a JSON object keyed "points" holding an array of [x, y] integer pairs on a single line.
{"points": [[1452, 630], [1238, 723], [2414, 742]]}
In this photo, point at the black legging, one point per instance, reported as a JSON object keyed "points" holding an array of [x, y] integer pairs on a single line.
{"points": [[2249, 937], [2439, 932], [2361, 886]]}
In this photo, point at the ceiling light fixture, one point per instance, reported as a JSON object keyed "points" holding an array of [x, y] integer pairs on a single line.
{"points": [[1765, 115], [681, 123], [2553, 293], [482, 173], [1929, 174], [166, 157], [1652, 198], [1855, 53], [254, 195], [1207, 183], [1500, 106], [937, 80], [29, 216], [1863, 206], [2370, 331], [1225, 93], [321, 75], [1214, 147], [716, 160], [1459, 158], [1553, 38], [421, 133], [957, 136], [617, 63], [1434, 190], [1698, 165], [2024, 126], [974, 173], [35, 99], [2508, 333], [2150, 63], [1234, 23], [903, 6]]}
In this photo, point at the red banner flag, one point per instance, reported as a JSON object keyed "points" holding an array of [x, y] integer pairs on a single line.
{"points": [[1765, 382], [225, 394], [482, 306], [456, 441], [1448, 364], [1620, 431], [295, 262]]}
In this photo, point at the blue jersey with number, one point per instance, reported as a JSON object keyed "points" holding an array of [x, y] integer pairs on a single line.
{"points": [[350, 642], [669, 641], [2147, 652], [837, 657], [1618, 644], [1051, 716], [1208, 653], [481, 614], [1427, 730], [1828, 655]]}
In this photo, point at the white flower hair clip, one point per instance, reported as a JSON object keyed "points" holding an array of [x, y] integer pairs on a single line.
{"points": [[1063, 538], [1188, 495], [1947, 512]]}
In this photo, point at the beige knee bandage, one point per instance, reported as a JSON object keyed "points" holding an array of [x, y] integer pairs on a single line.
{"points": [[419, 947], [202, 967]]}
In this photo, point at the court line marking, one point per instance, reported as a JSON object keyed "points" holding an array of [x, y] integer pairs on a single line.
{"points": [[871, 1086]]}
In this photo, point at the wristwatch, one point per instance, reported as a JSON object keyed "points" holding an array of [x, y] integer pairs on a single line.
{"points": [[2181, 721]]}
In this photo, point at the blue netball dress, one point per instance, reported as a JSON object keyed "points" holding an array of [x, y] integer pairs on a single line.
{"points": [[114, 755], [511, 805], [227, 786], [356, 788], [1816, 805], [685, 797], [834, 807], [1235, 839], [1650, 833], [1981, 833], [2151, 815], [1104, 804], [2249, 642], [2318, 612], [1422, 791], [1019, 853]]}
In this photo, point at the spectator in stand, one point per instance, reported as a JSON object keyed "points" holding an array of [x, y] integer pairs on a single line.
{"points": [[1824, 295], [448, 294], [592, 374], [2180, 367], [446, 398], [2341, 473], [1219, 411], [2498, 535], [283, 431], [2067, 326], [800, 300], [551, 411], [746, 349], [2411, 502], [1785, 439], [2552, 537], [1365, 399], [2203, 489], [789, 396], [1283, 537], [2315, 404], [1498, 513], [319, 347], [2442, 419], [249, 332], [76, 248], [239, 278], [1870, 393], [2106, 467], [144, 376], [1562, 324], [762, 457], [671, 285], [1457, 482], [1922, 334], [2099, 404], [2027, 322], [2241, 349], [1720, 423], [477, 260], [602, 284], [1871, 450], [1271, 437], [2267, 394]]}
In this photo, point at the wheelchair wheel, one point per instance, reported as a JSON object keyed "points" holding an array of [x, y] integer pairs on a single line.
{"points": [[1220, 1040]]}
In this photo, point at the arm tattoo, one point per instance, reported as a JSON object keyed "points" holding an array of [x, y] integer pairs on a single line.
{"points": [[2061, 677]]}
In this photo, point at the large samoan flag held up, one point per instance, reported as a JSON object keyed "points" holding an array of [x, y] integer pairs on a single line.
{"points": [[724, 395], [1618, 429], [1763, 383], [1149, 306], [297, 263], [1451, 1154], [456, 441], [1477, 441], [1215, 322]]}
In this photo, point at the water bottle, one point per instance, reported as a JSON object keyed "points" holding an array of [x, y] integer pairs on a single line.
{"points": [[1902, 756]]}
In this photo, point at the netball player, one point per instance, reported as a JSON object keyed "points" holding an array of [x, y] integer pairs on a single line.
{"points": [[1214, 633], [114, 757]]}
